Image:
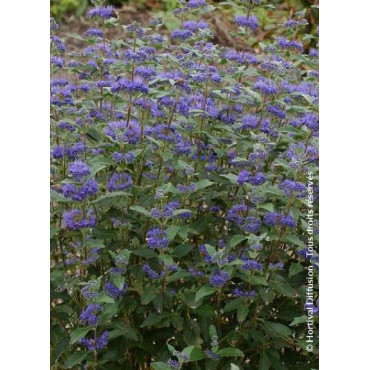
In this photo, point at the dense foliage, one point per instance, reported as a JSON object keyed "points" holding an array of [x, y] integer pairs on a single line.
{"points": [[182, 177]]}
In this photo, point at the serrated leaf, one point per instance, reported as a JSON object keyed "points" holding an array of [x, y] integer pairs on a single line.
{"points": [[231, 177], [140, 210], [124, 330], [172, 231], [204, 291], [242, 312], [283, 288], [145, 252], [233, 305], [151, 320], [264, 362], [230, 352], [182, 250], [294, 269], [204, 184], [298, 320], [57, 197], [237, 239], [293, 239], [277, 329], [79, 333], [148, 295], [75, 359]]}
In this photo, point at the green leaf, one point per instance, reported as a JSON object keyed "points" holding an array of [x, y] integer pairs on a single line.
{"points": [[259, 280], [212, 331], [75, 359], [76, 36], [194, 353], [205, 310], [293, 239], [231, 177], [264, 362], [233, 305], [124, 330], [77, 334], [298, 320], [140, 210], [284, 289], [112, 196], [59, 348], [204, 184], [181, 274], [276, 329], [242, 312], [203, 292], [160, 366], [294, 269], [151, 320], [237, 239], [104, 299], [230, 352], [182, 250], [145, 252], [267, 206], [148, 295], [172, 231], [95, 168], [56, 197], [234, 367]]}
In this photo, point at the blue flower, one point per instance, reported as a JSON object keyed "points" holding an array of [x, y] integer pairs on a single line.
{"points": [[114, 292], [79, 170], [90, 314], [157, 238], [119, 181], [250, 22], [219, 278], [103, 12]]}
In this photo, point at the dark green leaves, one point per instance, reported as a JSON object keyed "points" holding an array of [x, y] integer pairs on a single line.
{"points": [[204, 291], [230, 352], [79, 333]]}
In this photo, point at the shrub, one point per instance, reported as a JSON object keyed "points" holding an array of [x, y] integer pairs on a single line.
{"points": [[183, 197]]}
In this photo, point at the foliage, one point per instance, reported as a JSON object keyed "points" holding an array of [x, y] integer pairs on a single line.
{"points": [[182, 176]]}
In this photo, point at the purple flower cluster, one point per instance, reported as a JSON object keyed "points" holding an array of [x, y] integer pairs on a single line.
{"points": [[250, 22], [219, 278], [113, 291], [251, 264], [274, 218], [79, 170], [157, 238], [187, 189], [80, 193], [245, 177], [266, 86], [291, 188], [103, 12], [244, 293], [90, 314], [153, 275], [119, 181], [283, 43], [76, 220], [96, 343]]}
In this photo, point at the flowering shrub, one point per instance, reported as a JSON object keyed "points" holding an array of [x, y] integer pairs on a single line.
{"points": [[183, 197]]}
